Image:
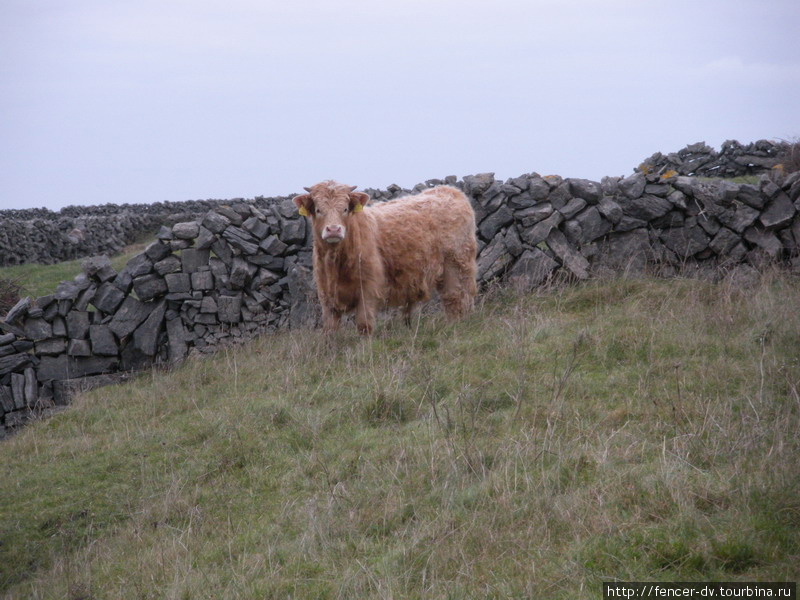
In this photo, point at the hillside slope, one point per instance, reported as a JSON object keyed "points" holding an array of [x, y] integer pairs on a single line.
{"points": [[630, 429]]}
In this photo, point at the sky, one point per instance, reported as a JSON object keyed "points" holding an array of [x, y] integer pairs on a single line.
{"points": [[150, 100]]}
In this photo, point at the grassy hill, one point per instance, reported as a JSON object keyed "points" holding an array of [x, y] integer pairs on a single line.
{"points": [[629, 429]]}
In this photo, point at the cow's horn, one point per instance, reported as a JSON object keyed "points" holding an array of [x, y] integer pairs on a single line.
{"points": [[352, 188], [307, 189]]}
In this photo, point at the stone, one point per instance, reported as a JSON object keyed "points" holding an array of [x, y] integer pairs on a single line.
{"points": [[538, 189], [610, 209], [18, 390], [67, 290], [657, 189], [86, 296], [570, 257], [215, 222], [68, 367], [489, 227], [37, 329], [99, 267], [592, 224], [103, 342], [31, 387], [560, 196], [176, 340], [685, 241], [208, 305], [475, 185], [150, 286], [145, 338], [678, 199], [79, 348], [157, 251], [223, 251], [178, 282], [6, 338], [240, 239], [64, 389], [778, 212], [532, 268], [751, 195], [724, 241], [107, 298], [129, 316], [627, 252], [230, 308], [766, 240], [256, 226], [193, 258], [512, 241], [272, 245], [293, 231], [77, 324], [188, 230], [573, 207], [740, 219], [54, 345], [19, 310], [710, 225], [646, 208], [590, 191], [204, 239], [539, 232], [164, 233], [202, 280], [170, 264], [633, 186], [6, 399], [530, 216], [673, 218]]}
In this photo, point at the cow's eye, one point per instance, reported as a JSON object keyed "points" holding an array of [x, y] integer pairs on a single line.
{"points": [[345, 210]]}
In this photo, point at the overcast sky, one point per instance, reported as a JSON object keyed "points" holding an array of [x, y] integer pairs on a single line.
{"points": [[142, 101]]}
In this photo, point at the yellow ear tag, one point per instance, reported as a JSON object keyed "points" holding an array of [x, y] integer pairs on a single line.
{"points": [[302, 211], [357, 208]]}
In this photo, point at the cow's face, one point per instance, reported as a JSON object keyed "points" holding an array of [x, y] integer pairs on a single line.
{"points": [[330, 207]]}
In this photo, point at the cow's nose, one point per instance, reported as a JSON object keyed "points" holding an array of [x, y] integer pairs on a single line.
{"points": [[334, 229]]}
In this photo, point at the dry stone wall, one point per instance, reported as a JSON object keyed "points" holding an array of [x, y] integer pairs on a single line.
{"points": [[245, 269], [733, 160]]}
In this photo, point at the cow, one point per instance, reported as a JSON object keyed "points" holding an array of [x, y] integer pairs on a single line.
{"points": [[390, 254]]}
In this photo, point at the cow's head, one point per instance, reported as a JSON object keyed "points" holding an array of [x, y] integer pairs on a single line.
{"points": [[330, 206]]}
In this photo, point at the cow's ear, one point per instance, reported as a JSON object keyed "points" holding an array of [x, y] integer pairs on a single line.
{"points": [[304, 204], [358, 200]]}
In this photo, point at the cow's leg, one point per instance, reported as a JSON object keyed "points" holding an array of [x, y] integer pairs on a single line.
{"points": [[330, 319], [365, 316], [458, 288]]}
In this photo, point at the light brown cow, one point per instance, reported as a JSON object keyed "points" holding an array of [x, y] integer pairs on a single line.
{"points": [[391, 254]]}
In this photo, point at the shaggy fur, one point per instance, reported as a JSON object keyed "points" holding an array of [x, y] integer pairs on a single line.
{"points": [[392, 254]]}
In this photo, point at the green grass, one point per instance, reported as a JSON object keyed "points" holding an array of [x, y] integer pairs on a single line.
{"points": [[40, 280], [631, 429]]}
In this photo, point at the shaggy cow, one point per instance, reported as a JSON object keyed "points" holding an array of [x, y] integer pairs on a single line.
{"points": [[391, 254]]}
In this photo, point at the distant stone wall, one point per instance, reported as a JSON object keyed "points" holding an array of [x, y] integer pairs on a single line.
{"points": [[242, 270], [733, 159]]}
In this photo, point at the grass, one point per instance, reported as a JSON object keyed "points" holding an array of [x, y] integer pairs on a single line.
{"points": [[40, 280], [628, 429]]}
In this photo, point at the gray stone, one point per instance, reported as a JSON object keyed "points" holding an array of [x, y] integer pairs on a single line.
{"points": [[673, 218], [495, 222], [208, 305], [107, 298], [193, 258], [513, 242], [475, 185], [778, 213], [145, 338], [215, 222], [177, 342], [103, 342], [632, 186], [68, 367], [188, 230], [560, 196], [170, 264], [610, 209], [657, 189], [272, 245], [538, 189], [678, 198], [31, 387], [740, 219], [157, 251], [293, 231], [67, 290], [85, 297], [592, 224], [204, 239], [129, 316], [530, 216], [257, 227], [751, 195], [64, 389], [77, 324], [646, 208], [627, 252], [99, 267], [570, 257], [6, 399], [493, 260], [230, 308], [539, 232], [531, 269], [223, 251], [240, 239], [710, 225], [590, 191], [54, 345], [202, 280], [724, 241], [685, 241], [37, 329], [150, 286], [19, 310], [18, 390], [164, 233], [573, 207], [241, 273], [178, 282], [6, 338], [766, 240], [79, 348]]}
